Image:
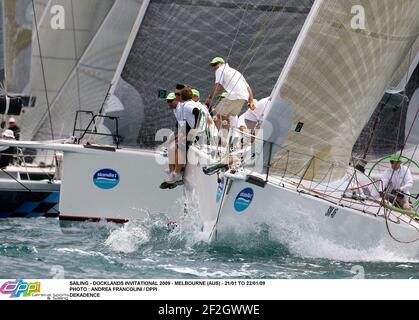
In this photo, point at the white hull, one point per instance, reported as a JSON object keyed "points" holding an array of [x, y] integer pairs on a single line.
{"points": [[135, 196], [296, 217]]}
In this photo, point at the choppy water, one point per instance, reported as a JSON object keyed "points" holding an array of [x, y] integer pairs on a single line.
{"points": [[148, 249]]}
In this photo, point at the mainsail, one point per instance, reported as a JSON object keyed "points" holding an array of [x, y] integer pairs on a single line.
{"points": [[78, 62], [17, 23], [178, 38], [333, 81]]}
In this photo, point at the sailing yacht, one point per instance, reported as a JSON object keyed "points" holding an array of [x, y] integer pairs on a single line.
{"points": [[28, 186], [71, 70], [134, 172], [327, 91]]}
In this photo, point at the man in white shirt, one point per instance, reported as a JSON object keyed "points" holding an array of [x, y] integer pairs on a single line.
{"points": [[255, 117], [187, 114], [397, 183], [204, 110], [171, 144], [236, 86]]}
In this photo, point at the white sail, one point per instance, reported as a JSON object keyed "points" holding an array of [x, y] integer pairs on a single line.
{"points": [[17, 22], [333, 81], [64, 31], [79, 62]]}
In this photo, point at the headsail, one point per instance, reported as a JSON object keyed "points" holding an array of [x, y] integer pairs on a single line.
{"points": [[79, 62], [333, 81]]}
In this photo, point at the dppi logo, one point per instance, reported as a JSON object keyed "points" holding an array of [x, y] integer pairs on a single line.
{"points": [[106, 179], [220, 189], [20, 287], [244, 200]]}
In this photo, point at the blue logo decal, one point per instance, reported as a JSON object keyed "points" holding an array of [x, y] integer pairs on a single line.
{"points": [[244, 200], [220, 190], [106, 179]]}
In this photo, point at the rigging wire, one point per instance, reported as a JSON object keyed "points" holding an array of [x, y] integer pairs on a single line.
{"points": [[43, 70], [252, 45], [76, 58], [387, 212]]}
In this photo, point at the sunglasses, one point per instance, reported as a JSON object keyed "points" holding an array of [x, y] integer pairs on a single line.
{"points": [[170, 101]]}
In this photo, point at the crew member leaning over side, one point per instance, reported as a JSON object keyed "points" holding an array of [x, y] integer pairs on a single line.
{"points": [[187, 114]]}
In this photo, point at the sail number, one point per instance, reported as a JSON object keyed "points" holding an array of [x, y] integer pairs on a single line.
{"points": [[332, 212]]}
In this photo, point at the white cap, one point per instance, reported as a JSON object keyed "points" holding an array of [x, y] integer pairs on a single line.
{"points": [[8, 134]]}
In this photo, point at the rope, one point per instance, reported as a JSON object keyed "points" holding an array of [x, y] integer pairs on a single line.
{"points": [[232, 46], [387, 215], [76, 59], [258, 34], [43, 70]]}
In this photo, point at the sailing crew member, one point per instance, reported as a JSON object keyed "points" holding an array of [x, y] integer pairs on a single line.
{"points": [[397, 183], [7, 153], [187, 114], [238, 90], [173, 103], [196, 95], [255, 117], [13, 126]]}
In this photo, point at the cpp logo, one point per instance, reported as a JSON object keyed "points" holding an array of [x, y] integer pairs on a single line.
{"points": [[220, 189], [20, 287], [106, 179], [244, 200]]}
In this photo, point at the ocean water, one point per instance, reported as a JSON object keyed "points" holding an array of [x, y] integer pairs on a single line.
{"points": [[150, 249]]}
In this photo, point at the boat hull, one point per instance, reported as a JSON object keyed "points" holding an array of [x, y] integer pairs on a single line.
{"points": [[114, 186], [296, 219], [41, 200]]}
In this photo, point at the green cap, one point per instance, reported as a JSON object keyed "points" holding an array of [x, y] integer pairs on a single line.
{"points": [[395, 158], [224, 94], [171, 96], [217, 60], [195, 93]]}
